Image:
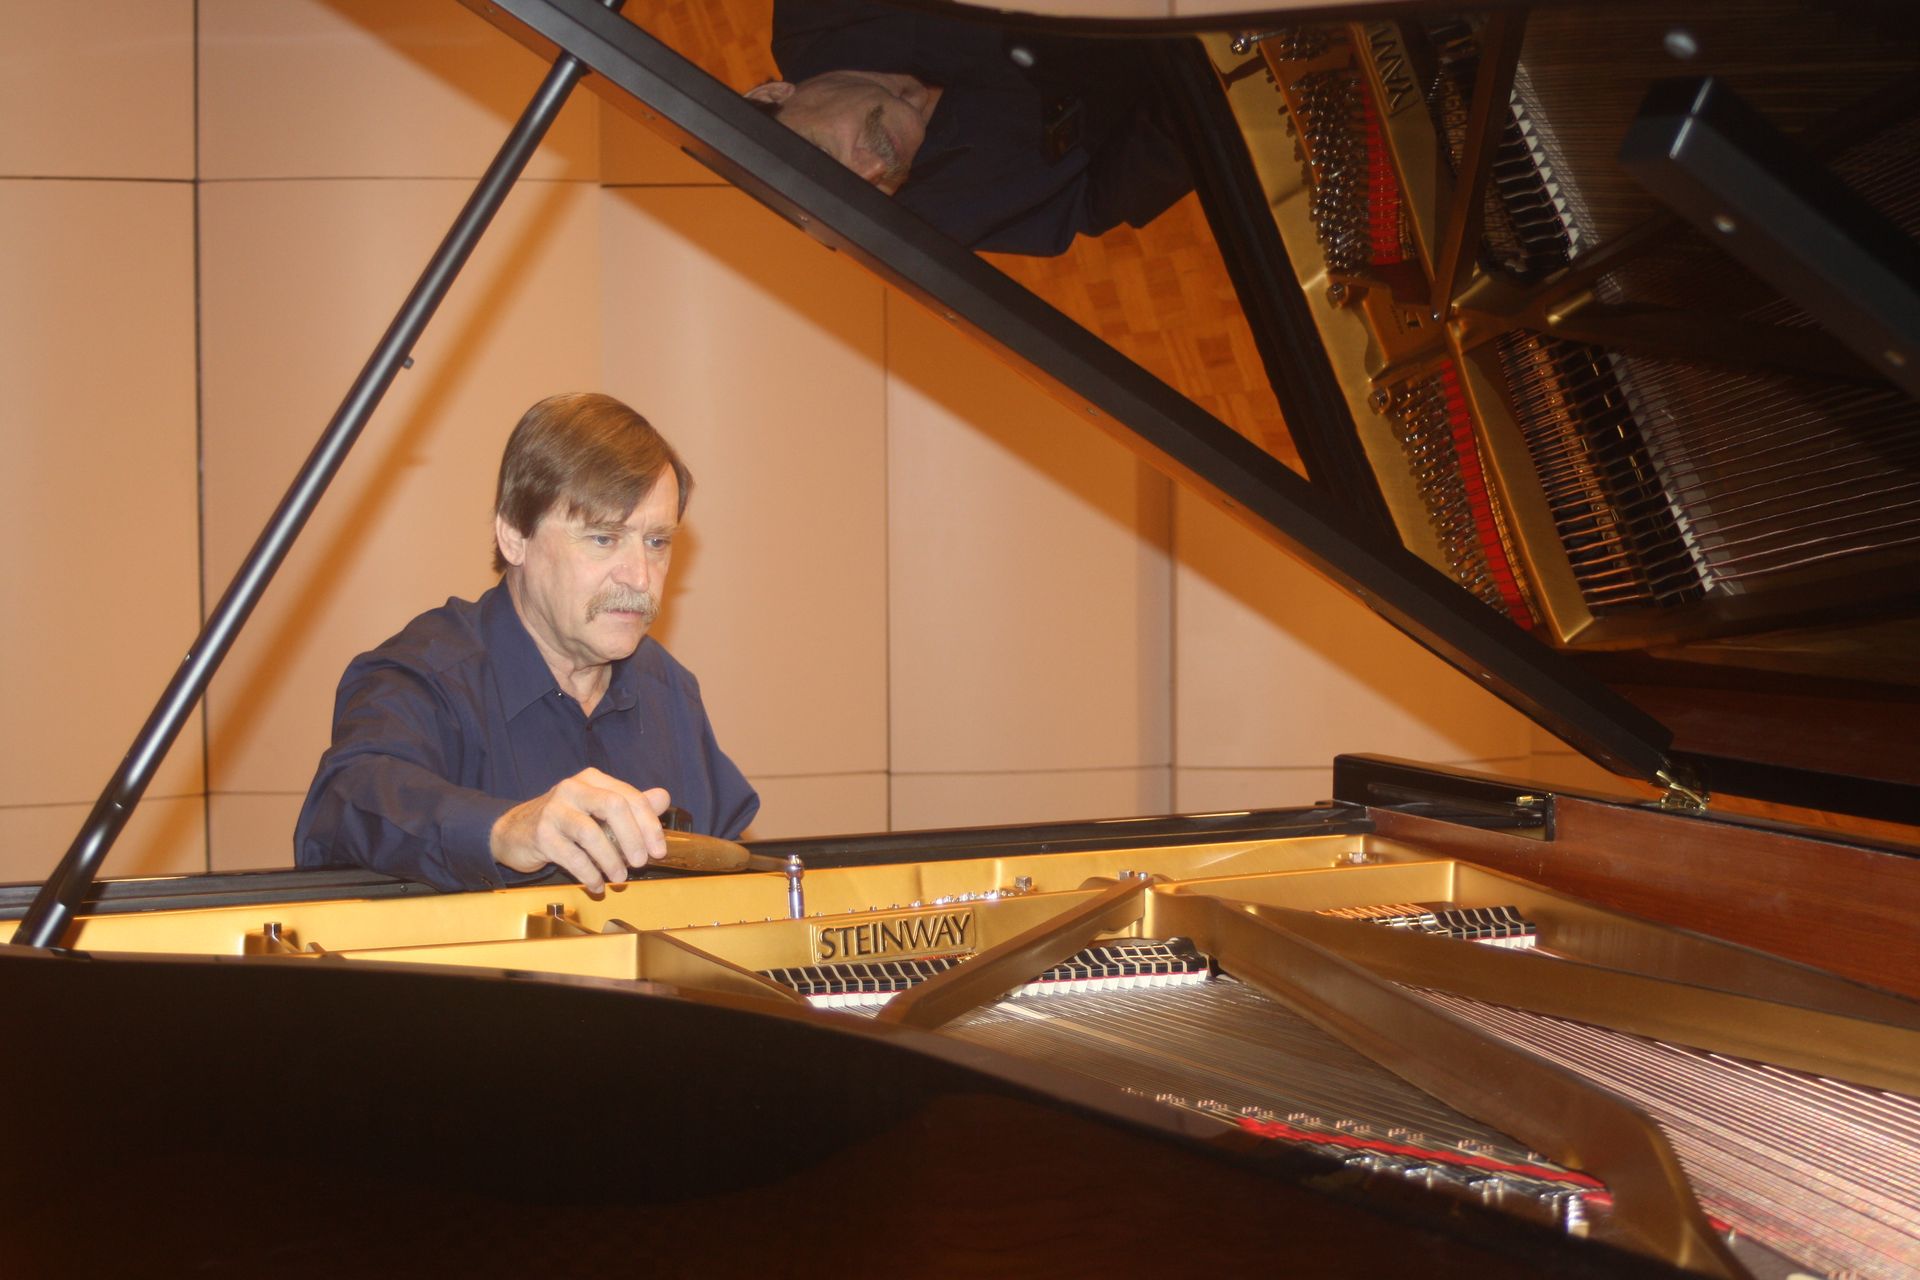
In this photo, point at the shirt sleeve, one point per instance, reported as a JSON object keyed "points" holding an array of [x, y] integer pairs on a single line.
{"points": [[384, 796], [735, 802]]}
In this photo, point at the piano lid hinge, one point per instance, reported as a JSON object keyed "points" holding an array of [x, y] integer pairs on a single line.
{"points": [[1681, 789]]}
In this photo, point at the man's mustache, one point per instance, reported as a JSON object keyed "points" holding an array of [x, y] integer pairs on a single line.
{"points": [[624, 600]]}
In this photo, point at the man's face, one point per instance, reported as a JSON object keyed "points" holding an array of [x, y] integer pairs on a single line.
{"points": [[588, 590], [873, 122]]}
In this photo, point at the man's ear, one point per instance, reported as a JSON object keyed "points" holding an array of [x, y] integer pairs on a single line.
{"points": [[773, 92], [512, 542]]}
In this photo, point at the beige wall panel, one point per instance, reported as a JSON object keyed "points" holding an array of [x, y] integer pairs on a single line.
{"points": [[1230, 790], [924, 800], [1225, 790], [1572, 770], [632, 154], [98, 90], [407, 522], [99, 493], [828, 805], [370, 88], [1555, 763], [165, 836], [248, 832], [1278, 669], [758, 353], [1029, 577], [1216, 790], [1515, 767], [1545, 742]]}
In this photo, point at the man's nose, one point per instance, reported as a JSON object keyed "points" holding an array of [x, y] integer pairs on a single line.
{"points": [[636, 566], [869, 166]]}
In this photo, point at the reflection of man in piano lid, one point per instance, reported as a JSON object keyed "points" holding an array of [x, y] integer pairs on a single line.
{"points": [[539, 727], [870, 121], [1013, 142]]}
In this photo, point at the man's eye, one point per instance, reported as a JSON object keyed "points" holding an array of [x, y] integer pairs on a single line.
{"points": [[601, 539], [659, 542]]}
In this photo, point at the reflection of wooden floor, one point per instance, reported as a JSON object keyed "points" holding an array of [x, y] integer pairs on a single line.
{"points": [[1159, 295]]}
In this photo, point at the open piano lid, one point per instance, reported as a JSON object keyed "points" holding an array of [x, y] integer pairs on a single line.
{"points": [[1337, 525]]}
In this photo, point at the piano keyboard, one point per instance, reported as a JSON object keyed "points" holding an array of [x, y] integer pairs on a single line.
{"points": [[1125, 963], [1528, 227], [1112, 966], [1496, 926]]}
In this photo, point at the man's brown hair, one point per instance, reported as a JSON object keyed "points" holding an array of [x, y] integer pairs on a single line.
{"points": [[585, 454]]}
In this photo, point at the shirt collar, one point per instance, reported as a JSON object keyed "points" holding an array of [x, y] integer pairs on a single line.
{"points": [[523, 675]]}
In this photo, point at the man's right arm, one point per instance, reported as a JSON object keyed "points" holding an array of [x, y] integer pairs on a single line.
{"points": [[388, 793]]}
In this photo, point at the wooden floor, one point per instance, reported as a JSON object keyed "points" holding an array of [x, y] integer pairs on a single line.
{"points": [[1159, 295]]}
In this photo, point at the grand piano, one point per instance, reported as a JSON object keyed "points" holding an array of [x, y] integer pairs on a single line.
{"points": [[1445, 1022]]}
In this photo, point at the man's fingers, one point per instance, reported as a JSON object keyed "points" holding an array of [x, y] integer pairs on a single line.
{"points": [[581, 831], [629, 839], [653, 802], [631, 815], [592, 825], [572, 859]]}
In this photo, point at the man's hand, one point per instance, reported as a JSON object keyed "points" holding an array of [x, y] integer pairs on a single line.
{"points": [[592, 825]]}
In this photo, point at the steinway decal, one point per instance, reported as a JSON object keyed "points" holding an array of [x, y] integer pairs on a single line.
{"points": [[924, 933], [1390, 62]]}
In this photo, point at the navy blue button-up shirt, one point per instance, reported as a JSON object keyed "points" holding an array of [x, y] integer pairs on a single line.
{"points": [[442, 729]]}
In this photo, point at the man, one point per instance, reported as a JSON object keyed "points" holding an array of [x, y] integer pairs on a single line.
{"points": [[538, 729], [1011, 144]]}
